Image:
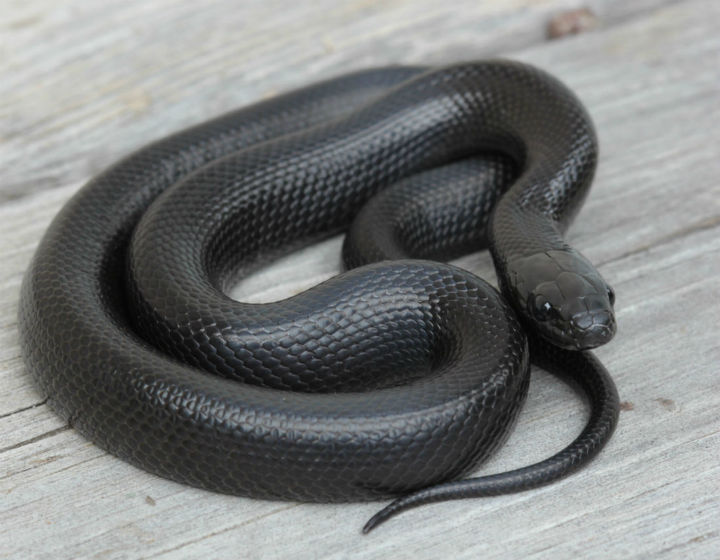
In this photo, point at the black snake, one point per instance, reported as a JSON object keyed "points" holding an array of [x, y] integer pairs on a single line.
{"points": [[392, 379]]}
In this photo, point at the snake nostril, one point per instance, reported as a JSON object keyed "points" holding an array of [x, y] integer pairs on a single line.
{"points": [[611, 295], [583, 321]]}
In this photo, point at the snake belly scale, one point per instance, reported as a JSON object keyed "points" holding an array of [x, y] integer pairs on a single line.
{"points": [[393, 379]]}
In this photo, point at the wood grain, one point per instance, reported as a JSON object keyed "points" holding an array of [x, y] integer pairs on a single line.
{"points": [[84, 83]]}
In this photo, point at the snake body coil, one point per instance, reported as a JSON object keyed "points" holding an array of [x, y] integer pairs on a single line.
{"points": [[392, 378]]}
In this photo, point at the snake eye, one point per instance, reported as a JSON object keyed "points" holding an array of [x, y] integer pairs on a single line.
{"points": [[611, 295], [542, 308]]}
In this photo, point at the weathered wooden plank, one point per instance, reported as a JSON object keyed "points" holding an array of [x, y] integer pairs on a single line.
{"points": [[652, 221], [89, 82]]}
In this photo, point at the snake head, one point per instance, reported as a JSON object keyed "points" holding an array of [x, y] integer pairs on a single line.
{"points": [[563, 297]]}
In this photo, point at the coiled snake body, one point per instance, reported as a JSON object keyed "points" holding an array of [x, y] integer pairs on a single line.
{"points": [[393, 378]]}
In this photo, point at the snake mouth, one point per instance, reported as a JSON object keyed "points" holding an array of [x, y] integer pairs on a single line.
{"points": [[588, 332], [595, 336], [594, 328]]}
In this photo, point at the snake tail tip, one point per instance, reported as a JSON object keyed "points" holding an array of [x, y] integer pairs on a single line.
{"points": [[371, 524], [380, 517]]}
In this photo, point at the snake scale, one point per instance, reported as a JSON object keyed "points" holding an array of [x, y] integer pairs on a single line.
{"points": [[392, 379]]}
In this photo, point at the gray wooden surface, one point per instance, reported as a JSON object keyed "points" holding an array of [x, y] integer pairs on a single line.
{"points": [[84, 82]]}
